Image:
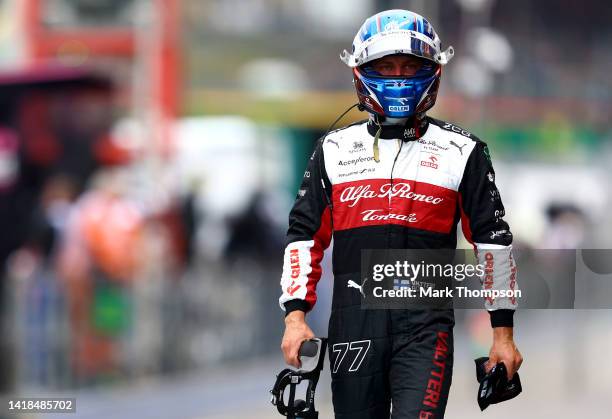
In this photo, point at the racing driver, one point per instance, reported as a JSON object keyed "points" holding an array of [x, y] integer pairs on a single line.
{"points": [[400, 180]]}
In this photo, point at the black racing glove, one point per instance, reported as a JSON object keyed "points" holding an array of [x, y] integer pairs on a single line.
{"points": [[494, 385]]}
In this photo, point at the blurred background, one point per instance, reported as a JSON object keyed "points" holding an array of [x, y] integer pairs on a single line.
{"points": [[150, 151]]}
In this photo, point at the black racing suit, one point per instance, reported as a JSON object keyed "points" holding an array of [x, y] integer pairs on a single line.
{"points": [[427, 179]]}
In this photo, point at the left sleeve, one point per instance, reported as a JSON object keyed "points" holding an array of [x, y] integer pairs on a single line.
{"points": [[309, 234], [482, 221]]}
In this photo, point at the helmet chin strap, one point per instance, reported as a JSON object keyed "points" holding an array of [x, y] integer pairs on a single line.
{"points": [[385, 120], [381, 121], [394, 121]]}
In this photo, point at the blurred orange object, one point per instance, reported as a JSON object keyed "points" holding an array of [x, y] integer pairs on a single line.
{"points": [[112, 228]]}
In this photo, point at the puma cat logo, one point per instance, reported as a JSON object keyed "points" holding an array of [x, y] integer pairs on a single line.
{"points": [[459, 147]]}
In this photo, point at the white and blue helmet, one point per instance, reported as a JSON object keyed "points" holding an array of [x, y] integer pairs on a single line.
{"points": [[397, 32]]}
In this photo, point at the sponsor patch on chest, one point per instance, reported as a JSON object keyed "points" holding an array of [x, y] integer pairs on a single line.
{"points": [[430, 161], [400, 201]]}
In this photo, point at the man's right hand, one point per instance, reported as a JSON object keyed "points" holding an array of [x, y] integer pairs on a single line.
{"points": [[296, 332]]}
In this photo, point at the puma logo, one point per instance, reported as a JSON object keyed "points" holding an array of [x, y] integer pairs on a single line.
{"points": [[329, 140], [459, 147], [353, 284]]}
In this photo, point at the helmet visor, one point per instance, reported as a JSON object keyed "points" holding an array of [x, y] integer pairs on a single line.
{"points": [[418, 67]]}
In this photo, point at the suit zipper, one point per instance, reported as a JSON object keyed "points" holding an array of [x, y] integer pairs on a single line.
{"points": [[399, 150]]}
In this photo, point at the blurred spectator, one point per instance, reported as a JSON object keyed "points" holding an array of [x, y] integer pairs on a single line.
{"points": [[253, 234], [567, 226], [100, 256]]}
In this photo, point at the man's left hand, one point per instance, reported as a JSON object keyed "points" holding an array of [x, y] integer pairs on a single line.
{"points": [[504, 350]]}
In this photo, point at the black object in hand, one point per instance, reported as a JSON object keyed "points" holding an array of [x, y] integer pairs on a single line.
{"points": [[312, 354], [494, 385]]}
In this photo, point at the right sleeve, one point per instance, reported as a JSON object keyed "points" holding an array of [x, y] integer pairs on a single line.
{"points": [[309, 234], [482, 214]]}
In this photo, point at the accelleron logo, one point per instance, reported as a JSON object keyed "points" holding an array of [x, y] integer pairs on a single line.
{"points": [[354, 161]]}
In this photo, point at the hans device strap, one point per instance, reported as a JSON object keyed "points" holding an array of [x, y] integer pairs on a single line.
{"points": [[312, 354]]}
